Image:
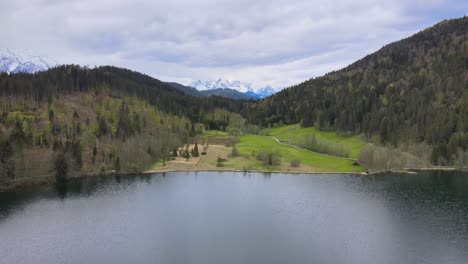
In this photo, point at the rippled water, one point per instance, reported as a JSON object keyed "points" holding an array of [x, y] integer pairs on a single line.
{"points": [[212, 217]]}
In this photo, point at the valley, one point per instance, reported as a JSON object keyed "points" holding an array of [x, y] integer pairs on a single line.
{"points": [[256, 132], [402, 107]]}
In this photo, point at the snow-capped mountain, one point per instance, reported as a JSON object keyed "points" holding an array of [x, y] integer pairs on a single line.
{"points": [[245, 88], [266, 91], [13, 62]]}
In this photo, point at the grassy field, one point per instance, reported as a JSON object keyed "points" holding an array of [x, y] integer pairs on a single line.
{"points": [[249, 145], [220, 146], [209, 162], [293, 134]]}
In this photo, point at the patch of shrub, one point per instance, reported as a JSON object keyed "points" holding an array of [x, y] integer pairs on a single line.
{"points": [[313, 143], [295, 163], [384, 158], [235, 151], [265, 132], [269, 157], [220, 162]]}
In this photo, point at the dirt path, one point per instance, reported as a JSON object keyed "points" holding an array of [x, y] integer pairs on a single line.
{"points": [[294, 146]]}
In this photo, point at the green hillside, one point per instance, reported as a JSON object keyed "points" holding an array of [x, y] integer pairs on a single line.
{"points": [[251, 145], [296, 135], [413, 90], [85, 133]]}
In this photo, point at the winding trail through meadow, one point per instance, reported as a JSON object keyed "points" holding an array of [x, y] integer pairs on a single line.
{"points": [[294, 146]]}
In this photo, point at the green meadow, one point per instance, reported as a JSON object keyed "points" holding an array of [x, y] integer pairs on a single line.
{"points": [[250, 145], [294, 134]]}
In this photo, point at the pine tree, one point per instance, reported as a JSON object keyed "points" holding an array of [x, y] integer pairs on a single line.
{"points": [[6, 153], [195, 153], [117, 164], [51, 115], [234, 152], [94, 153], [77, 153], [61, 167], [192, 130], [186, 154]]}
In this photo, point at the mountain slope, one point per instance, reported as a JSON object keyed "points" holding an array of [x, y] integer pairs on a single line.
{"points": [[27, 62], [14, 62], [67, 79], [229, 93], [185, 89], [412, 90]]}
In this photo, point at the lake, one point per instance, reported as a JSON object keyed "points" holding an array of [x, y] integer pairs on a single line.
{"points": [[232, 217]]}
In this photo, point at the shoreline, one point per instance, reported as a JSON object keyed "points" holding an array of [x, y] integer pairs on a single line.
{"points": [[45, 180]]}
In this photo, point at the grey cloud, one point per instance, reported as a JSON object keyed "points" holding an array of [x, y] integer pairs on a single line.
{"points": [[254, 41]]}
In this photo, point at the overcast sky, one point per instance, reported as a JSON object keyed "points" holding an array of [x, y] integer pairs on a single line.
{"points": [[280, 43]]}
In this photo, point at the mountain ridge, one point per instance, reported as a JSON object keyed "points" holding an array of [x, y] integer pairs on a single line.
{"points": [[222, 92], [26, 61], [245, 88]]}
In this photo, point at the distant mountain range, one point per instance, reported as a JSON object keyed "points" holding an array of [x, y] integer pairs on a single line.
{"points": [[222, 92], [244, 88], [14, 62]]}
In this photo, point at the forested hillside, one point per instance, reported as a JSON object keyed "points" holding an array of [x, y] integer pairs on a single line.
{"points": [[413, 90], [71, 120], [33, 88]]}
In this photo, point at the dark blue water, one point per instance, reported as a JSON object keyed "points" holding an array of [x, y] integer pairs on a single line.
{"points": [[211, 217]]}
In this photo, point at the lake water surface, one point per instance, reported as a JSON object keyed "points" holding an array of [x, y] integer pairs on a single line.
{"points": [[213, 217]]}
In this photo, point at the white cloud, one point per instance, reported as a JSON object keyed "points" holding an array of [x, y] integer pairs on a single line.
{"points": [[264, 42]]}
